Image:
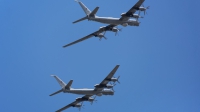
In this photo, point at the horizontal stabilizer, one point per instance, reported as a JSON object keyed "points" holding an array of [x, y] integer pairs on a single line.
{"points": [[94, 11], [56, 92], [80, 19]]}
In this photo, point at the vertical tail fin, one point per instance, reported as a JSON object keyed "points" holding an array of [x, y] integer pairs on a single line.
{"points": [[93, 13], [62, 84], [68, 86], [85, 9]]}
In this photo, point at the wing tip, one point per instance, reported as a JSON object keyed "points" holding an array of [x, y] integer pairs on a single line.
{"points": [[64, 46]]}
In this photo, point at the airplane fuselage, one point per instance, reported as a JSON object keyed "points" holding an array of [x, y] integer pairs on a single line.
{"points": [[115, 21], [89, 92]]}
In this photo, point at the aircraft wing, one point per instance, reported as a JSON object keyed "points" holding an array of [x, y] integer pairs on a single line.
{"points": [[84, 38], [107, 28], [69, 105], [74, 103], [87, 96], [107, 79], [133, 9]]}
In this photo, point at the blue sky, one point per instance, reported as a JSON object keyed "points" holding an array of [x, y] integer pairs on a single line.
{"points": [[159, 60]]}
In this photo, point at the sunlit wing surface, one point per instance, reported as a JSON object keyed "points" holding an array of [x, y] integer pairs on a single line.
{"points": [[132, 10], [107, 28], [106, 80], [82, 39], [69, 105]]}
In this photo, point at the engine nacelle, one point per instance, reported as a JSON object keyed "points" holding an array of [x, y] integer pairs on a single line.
{"points": [[99, 94], [102, 28], [109, 86], [114, 79], [142, 8], [130, 15], [100, 35], [77, 105], [79, 99], [114, 29], [91, 99], [136, 16], [125, 24]]}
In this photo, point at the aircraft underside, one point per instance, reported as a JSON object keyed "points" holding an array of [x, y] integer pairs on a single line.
{"points": [[115, 21], [90, 92]]}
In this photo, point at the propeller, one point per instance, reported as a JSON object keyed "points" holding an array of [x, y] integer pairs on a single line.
{"points": [[115, 79], [118, 79], [82, 106], [118, 29], [145, 8], [113, 86], [94, 100], [103, 36], [139, 16]]}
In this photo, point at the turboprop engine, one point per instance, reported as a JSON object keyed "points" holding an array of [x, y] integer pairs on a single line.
{"points": [[78, 105], [125, 24], [109, 86], [90, 99], [99, 94], [131, 15], [113, 79], [113, 29]]}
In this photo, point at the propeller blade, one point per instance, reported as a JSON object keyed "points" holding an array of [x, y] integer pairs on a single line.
{"points": [[118, 79], [94, 97], [100, 38], [118, 82], [104, 35], [111, 83], [93, 100], [113, 89], [82, 106], [138, 15]]}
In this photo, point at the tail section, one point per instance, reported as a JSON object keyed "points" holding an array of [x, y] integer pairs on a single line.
{"points": [[87, 12], [85, 9], [86, 17], [93, 13], [62, 84], [68, 86], [56, 92]]}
